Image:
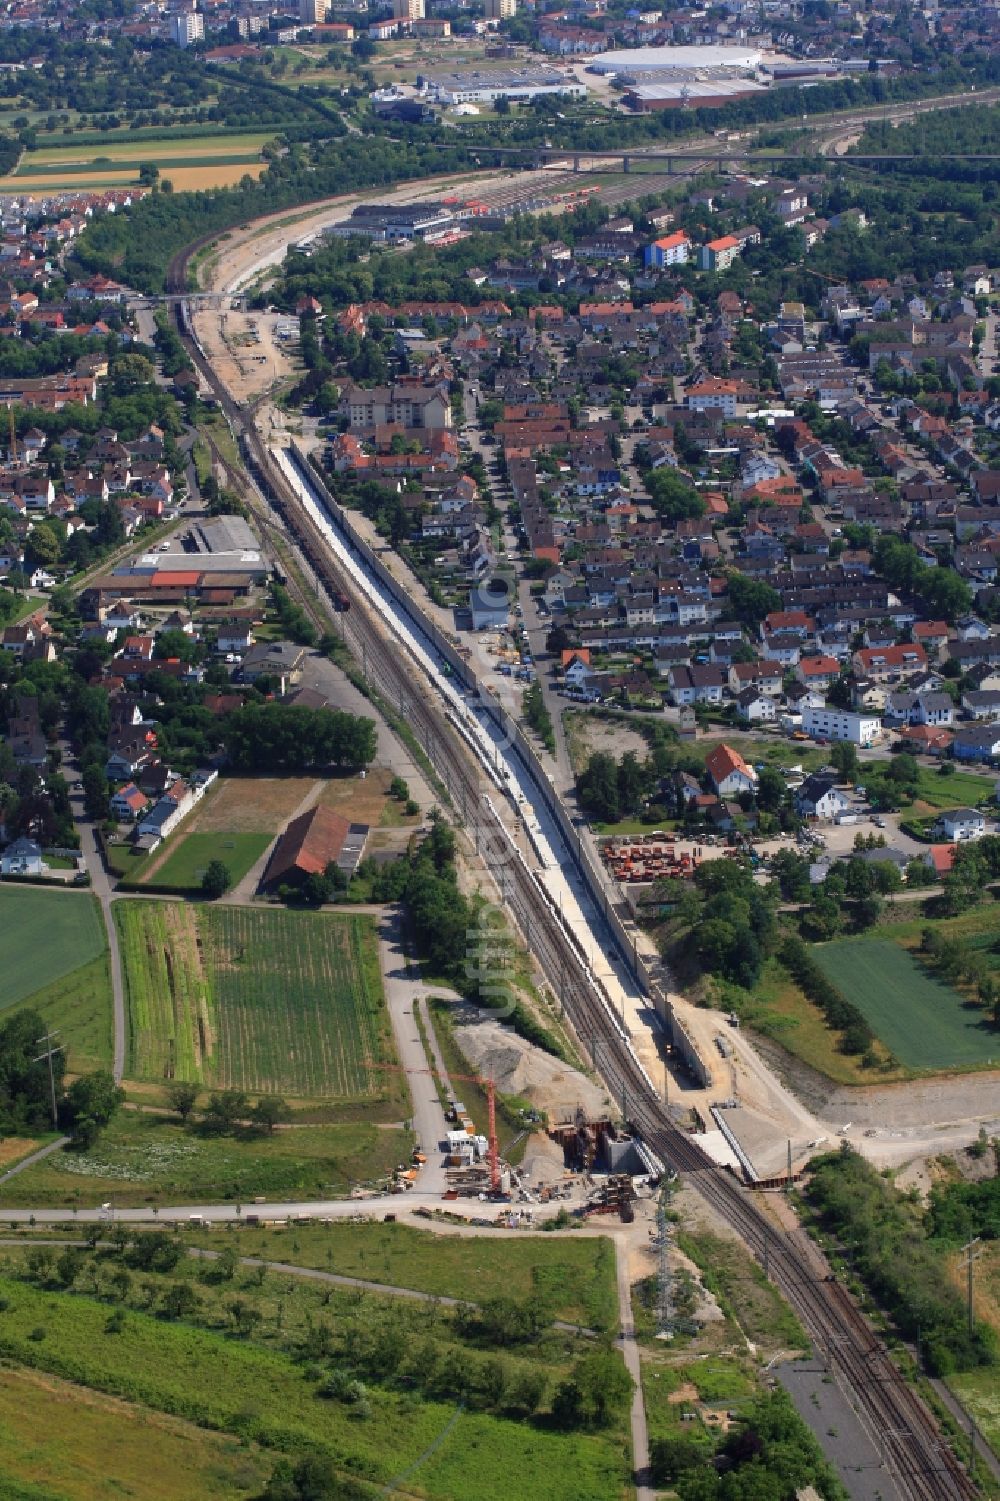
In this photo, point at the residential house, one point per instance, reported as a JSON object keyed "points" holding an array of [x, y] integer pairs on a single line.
{"points": [[22, 858], [671, 250], [890, 664], [755, 707], [959, 825], [128, 803], [820, 797], [729, 773]]}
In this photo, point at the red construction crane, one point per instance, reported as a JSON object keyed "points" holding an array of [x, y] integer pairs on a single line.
{"points": [[493, 1148]]}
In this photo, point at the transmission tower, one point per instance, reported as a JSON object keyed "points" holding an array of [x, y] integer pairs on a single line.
{"points": [[666, 1313]]}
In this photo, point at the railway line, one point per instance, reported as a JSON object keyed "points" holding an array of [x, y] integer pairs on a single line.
{"points": [[897, 1418]]}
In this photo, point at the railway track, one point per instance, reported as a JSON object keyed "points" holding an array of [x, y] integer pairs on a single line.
{"points": [[895, 1416]]}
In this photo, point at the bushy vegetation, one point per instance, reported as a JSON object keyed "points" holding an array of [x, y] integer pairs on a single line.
{"points": [[960, 1211], [28, 1092], [538, 717], [768, 1456], [723, 923], [893, 1254]]}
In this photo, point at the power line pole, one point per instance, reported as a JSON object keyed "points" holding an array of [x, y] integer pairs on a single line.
{"points": [[666, 1314], [52, 1048], [971, 1257]]}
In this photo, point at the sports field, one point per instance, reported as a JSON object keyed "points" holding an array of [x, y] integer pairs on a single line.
{"points": [[44, 935], [262, 1000], [187, 862], [926, 1024]]}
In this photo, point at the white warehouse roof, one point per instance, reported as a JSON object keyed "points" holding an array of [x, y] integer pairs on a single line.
{"points": [[653, 59], [690, 93]]}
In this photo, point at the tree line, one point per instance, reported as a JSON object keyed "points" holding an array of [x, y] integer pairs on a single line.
{"points": [[291, 737], [894, 1253]]}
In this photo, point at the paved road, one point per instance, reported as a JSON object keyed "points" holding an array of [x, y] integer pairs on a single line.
{"points": [[100, 885], [200, 1214], [34, 1157], [403, 990], [633, 1364]]}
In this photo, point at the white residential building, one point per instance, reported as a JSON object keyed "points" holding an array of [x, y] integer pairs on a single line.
{"points": [[828, 723], [187, 28]]}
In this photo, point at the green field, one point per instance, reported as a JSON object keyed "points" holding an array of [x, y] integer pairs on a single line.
{"points": [[254, 1387], [60, 1443], [149, 1159], [78, 1007], [44, 935], [185, 865], [926, 1024], [256, 999], [571, 1278], [961, 790]]}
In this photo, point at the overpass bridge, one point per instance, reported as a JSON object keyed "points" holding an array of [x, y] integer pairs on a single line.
{"points": [[680, 161]]}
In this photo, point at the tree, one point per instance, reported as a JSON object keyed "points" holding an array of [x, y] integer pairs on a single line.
{"points": [[90, 1103], [674, 498], [132, 370], [179, 1301], [598, 1388], [43, 547], [183, 1097], [269, 1111], [216, 881], [844, 756], [25, 1099], [752, 599], [226, 1108], [670, 1458], [771, 789], [597, 788], [312, 1479]]}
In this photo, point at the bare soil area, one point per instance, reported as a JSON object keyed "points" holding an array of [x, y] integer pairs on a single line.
{"points": [[258, 805], [588, 733]]}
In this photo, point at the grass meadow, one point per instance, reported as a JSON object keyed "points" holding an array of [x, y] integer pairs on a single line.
{"points": [[143, 1158], [249, 1385], [571, 1278], [59, 1440], [188, 860]]}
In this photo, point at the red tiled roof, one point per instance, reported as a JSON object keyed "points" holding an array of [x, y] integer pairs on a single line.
{"points": [[310, 843]]}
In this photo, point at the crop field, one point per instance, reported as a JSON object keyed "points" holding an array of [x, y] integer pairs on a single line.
{"points": [[926, 1024], [44, 935], [83, 1446], [262, 1000], [200, 162], [188, 859]]}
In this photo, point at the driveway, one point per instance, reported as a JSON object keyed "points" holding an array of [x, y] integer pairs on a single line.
{"points": [[405, 991]]}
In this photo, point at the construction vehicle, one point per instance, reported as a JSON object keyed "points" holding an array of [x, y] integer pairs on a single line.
{"points": [[493, 1149]]}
